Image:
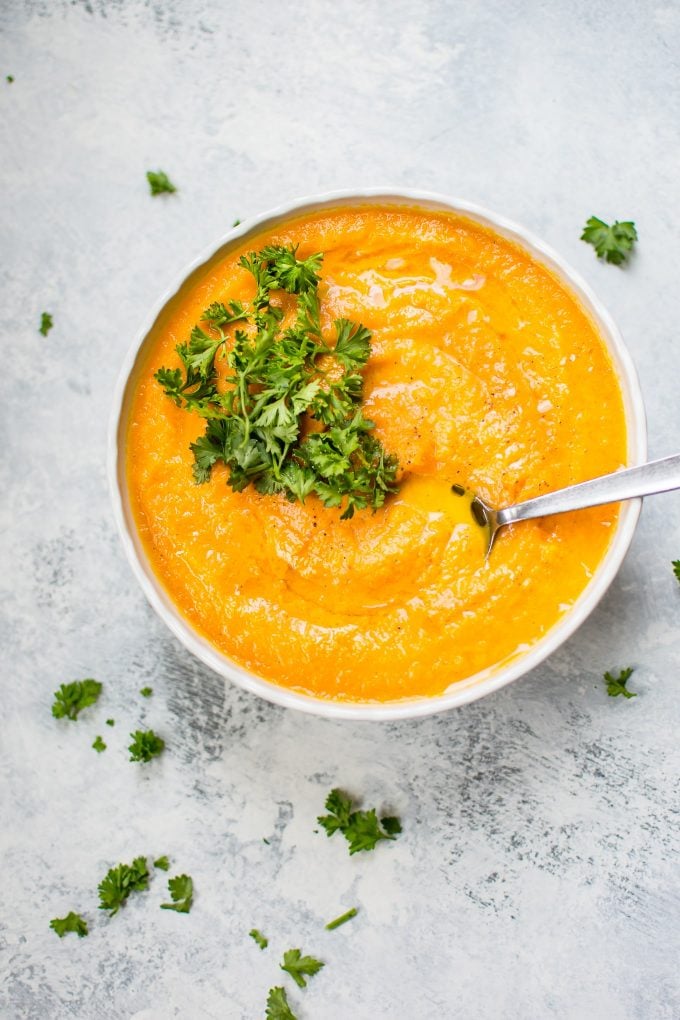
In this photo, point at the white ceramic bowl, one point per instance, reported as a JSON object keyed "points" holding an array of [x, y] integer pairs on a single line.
{"points": [[481, 683]]}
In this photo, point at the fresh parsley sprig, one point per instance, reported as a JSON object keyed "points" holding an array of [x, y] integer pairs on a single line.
{"points": [[159, 182], [46, 323], [72, 922], [120, 881], [277, 1005], [613, 243], [676, 568], [617, 684], [279, 382], [361, 829], [72, 698], [258, 937], [145, 745], [181, 889], [300, 967]]}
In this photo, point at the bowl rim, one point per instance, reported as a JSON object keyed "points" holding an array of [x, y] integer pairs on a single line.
{"points": [[494, 677]]}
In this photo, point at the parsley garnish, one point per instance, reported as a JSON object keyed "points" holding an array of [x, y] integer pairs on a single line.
{"points": [[277, 1005], [361, 829], [280, 381], [146, 692], [72, 698], [9, 79], [259, 938], [46, 323], [159, 182], [145, 745], [676, 568], [110, 722], [613, 243], [342, 919], [236, 223], [72, 922], [181, 890], [299, 966], [162, 862], [617, 685], [99, 744], [120, 881]]}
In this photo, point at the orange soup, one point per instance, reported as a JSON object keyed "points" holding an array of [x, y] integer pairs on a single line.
{"points": [[484, 372]]}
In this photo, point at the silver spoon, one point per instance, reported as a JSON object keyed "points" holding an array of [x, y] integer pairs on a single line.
{"points": [[645, 480]]}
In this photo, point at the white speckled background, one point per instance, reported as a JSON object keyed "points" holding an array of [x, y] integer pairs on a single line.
{"points": [[537, 875]]}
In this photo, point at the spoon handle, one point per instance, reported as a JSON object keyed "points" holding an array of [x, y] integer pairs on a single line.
{"points": [[645, 480]]}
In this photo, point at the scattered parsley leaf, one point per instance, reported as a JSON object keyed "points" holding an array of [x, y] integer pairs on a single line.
{"points": [[159, 182], [299, 966], [259, 938], [277, 1005], [162, 862], [236, 223], [120, 881], [72, 698], [99, 744], [146, 692], [276, 376], [361, 829], [676, 568], [145, 745], [46, 323], [182, 892], [617, 685], [9, 79], [72, 922], [110, 722], [613, 243], [342, 919]]}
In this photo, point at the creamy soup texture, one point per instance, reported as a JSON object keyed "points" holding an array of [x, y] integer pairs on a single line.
{"points": [[485, 372]]}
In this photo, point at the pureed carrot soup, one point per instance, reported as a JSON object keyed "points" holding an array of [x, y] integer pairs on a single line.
{"points": [[484, 372]]}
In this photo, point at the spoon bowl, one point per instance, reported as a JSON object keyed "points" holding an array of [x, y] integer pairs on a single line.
{"points": [[644, 480]]}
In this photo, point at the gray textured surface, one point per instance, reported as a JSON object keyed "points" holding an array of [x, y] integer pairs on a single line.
{"points": [[537, 873]]}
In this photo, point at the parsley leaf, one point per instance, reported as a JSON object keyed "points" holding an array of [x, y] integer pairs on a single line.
{"points": [[72, 698], [361, 829], [342, 919], [146, 692], [279, 381], [120, 881], [617, 685], [99, 744], [353, 344], [162, 862], [46, 323], [145, 745], [676, 568], [110, 722], [613, 243], [236, 223], [277, 1005], [259, 938], [159, 182], [299, 966], [9, 79], [181, 890], [72, 922]]}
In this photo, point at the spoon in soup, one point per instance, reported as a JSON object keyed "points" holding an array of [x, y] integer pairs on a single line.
{"points": [[630, 483]]}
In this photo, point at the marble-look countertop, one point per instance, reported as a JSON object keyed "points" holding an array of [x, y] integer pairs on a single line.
{"points": [[537, 874]]}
